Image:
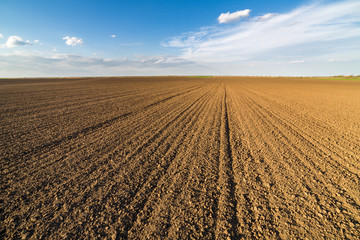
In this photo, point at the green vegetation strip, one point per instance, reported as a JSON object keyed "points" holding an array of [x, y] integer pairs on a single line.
{"points": [[200, 76], [341, 78]]}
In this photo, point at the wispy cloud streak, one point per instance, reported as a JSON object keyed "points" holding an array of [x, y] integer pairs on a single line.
{"points": [[305, 26], [77, 65]]}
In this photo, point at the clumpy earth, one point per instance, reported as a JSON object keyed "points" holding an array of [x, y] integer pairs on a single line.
{"points": [[179, 158]]}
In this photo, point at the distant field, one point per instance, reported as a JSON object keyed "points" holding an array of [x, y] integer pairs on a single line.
{"points": [[341, 78], [180, 158]]}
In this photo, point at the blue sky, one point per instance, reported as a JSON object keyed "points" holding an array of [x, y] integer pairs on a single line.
{"points": [[102, 38]]}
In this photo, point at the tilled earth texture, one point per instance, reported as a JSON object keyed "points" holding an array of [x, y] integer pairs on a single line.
{"points": [[180, 158]]}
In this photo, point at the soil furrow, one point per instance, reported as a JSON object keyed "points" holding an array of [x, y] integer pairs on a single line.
{"points": [[334, 149], [157, 217], [226, 217], [179, 158], [84, 131], [131, 154], [320, 167], [254, 179], [140, 197]]}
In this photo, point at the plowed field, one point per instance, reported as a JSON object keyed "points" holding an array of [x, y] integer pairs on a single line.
{"points": [[180, 158]]}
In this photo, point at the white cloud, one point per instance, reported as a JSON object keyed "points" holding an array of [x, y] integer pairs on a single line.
{"points": [[1, 36], [14, 41], [233, 17], [308, 31], [162, 59], [337, 60], [188, 39], [296, 61], [36, 64], [113, 36], [265, 17], [73, 41]]}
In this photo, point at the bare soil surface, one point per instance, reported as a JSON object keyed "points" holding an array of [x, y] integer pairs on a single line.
{"points": [[179, 158]]}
